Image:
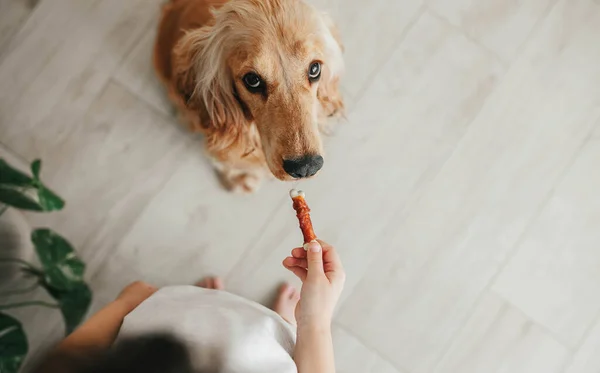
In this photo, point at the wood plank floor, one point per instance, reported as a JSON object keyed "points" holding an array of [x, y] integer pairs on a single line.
{"points": [[471, 155]]}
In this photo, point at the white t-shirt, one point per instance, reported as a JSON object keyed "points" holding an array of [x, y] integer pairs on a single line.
{"points": [[220, 329]]}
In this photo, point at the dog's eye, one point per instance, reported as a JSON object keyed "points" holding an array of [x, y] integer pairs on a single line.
{"points": [[314, 71], [253, 82]]}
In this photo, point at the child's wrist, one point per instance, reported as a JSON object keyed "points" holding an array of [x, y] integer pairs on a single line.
{"points": [[314, 326], [125, 305]]}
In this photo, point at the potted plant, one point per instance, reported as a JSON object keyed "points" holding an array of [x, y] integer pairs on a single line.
{"points": [[60, 271]]}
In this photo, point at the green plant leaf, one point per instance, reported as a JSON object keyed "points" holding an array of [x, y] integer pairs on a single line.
{"points": [[74, 303], [48, 200], [12, 176], [35, 168], [63, 270], [15, 198], [13, 344]]}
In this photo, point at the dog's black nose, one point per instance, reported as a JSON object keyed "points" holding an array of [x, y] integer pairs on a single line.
{"points": [[306, 166]]}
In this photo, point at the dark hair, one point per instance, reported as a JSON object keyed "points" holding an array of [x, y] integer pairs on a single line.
{"points": [[157, 353]]}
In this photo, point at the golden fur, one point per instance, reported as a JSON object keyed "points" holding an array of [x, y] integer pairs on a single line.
{"points": [[203, 50]]}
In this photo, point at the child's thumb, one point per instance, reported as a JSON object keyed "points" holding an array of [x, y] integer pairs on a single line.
{"points": [[314, 257]]}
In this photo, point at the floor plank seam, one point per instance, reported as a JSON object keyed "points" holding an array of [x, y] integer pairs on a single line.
{"points": [[131, 48], [159, 113], [150, 26], [37, 8], [370, 77], [414, 199], [32, 79], [534, 29], [505, 64], [596, 319], [171, 115], [13, 153], [513, 251], [7, 46], [371, 349], [558, 339], [585, 336], [256, 239], [417, 195], [93, 273]]}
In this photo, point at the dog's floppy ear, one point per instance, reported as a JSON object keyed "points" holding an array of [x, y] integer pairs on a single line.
{"points": [[203, 78], [329, 93], [183, 70]]}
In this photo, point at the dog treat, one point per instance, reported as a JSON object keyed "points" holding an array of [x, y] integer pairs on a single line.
{"points": [[303, 215]]}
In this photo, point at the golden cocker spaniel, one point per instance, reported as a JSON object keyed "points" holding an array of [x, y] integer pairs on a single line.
{"points": [[259, 78]]}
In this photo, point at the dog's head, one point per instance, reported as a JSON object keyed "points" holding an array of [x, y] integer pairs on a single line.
{"points": [[274, 63]]}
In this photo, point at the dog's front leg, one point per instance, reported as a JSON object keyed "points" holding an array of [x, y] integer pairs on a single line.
{"points": [[236, 179]]}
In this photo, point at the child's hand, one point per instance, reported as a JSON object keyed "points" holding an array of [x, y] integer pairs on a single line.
{"points": [[135, 293], [322, 275]]}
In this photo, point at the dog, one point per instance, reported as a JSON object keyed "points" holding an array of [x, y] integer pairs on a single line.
{"points": [[258, 78]]}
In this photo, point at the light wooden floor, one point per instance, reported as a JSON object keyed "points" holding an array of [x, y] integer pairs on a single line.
{"points": [[463, 191]]}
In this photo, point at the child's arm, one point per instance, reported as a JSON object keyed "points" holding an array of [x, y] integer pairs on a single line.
{"points": [[314, 350], [101, 330], [322, 275]]}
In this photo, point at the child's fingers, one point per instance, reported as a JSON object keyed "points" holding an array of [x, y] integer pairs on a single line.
{"points": [[314, 257], [300, 272], [295, 262], [332, 259], [299, 252], [330, 255], [324, 245], [289, 261], [332, 262]]}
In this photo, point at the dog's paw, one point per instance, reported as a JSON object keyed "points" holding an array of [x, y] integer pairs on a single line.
{"points": [[245, 183], [239, 182]]}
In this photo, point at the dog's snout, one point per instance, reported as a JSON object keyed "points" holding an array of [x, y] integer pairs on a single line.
{"points": [[302, 167]]}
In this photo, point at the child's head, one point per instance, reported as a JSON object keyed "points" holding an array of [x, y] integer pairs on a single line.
{"points": [[148, 354]]}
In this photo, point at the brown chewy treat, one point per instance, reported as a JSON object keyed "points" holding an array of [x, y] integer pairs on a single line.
{"points": [[303, 215]]}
